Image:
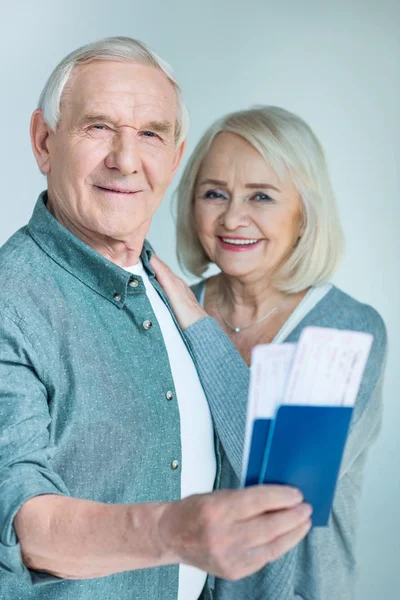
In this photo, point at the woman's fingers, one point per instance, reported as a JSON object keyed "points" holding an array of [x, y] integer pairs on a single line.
{"points": [[181, 298], [163, 272]]}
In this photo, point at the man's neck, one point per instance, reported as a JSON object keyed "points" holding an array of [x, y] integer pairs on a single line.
{"points": [[122, 252]]}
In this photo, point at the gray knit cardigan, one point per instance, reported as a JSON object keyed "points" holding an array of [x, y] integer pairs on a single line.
{"points": [[323, 565]]}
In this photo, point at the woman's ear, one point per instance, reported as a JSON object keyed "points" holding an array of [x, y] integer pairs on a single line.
{"points": [[302, 227], [40, 131], [297, 241]]}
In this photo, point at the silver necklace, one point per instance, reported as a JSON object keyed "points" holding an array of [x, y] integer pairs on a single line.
{"points": [[239, 329]]}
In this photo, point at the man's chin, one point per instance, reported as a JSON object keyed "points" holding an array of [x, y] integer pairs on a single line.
{"points": [[123, 228]]}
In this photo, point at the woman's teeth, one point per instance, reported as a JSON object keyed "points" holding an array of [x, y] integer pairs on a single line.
{"points": [[239, 242]]}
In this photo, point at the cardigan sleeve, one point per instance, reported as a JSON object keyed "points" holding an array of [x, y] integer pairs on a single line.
{"points": [[225, 379], [367, 413]]}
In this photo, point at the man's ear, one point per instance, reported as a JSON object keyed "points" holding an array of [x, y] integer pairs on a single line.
{"points": [[178, 157], [39, 139]]}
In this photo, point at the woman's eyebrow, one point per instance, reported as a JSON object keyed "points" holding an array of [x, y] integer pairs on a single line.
{"points": [[213, 182], [262, 186], [250, 186]]}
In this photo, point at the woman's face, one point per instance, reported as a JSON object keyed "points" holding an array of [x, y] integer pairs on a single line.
{"points": [[247, 220]]}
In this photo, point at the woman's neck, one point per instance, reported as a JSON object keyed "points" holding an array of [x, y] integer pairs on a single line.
{"points": [[241, 308], [246, 300]]}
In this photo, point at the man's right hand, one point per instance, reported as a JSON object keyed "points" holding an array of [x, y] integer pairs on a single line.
{"points": [[233, 533], [229, 533]]}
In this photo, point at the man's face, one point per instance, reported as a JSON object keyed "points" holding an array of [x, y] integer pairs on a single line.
{"points": [[113, 153]]}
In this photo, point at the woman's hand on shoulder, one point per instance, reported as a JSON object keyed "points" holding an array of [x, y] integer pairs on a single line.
{"points": [[182, 300]]}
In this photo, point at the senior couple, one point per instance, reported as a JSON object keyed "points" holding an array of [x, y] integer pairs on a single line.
{"points": [[122, 392]]}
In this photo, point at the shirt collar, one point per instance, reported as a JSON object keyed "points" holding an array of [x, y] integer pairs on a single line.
{"points": [[91, 268]]}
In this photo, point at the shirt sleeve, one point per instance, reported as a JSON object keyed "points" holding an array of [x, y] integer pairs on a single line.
{"points": [[25, 449]]}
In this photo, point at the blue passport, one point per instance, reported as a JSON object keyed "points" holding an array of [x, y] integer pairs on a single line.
{"points": [[302, 447], [301, 401]]}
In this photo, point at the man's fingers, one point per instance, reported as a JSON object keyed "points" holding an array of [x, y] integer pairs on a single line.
{"points": [[207, 531], [270, 526], [252, 557], [259, 499], [274, 550], [257, 557]]}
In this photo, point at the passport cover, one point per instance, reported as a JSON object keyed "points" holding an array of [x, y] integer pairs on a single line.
{"points": [[303, 447]]}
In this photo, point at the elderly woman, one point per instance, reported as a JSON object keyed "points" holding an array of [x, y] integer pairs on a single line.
{"points": [[255, 199]]}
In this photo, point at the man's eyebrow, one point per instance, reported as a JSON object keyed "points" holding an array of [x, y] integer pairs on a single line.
{"points": [[158, 126], [94, 118], [250, 186]]}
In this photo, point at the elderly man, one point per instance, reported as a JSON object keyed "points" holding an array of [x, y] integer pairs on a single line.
{"points": [[107, 457]]}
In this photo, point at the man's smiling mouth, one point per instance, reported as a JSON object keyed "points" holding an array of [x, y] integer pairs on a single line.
{"points": [[116, 189]]}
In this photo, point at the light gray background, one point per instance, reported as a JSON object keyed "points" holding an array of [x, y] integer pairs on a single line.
{"points": [[336, 65]]}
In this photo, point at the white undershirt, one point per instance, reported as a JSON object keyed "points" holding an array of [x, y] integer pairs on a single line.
{"points": [[311, 299], [198, 468]]}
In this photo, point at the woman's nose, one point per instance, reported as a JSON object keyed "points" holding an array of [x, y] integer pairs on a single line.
{"points": [[235, 215]]}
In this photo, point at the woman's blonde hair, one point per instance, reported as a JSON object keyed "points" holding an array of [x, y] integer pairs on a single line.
{"points": [[289, 145]]}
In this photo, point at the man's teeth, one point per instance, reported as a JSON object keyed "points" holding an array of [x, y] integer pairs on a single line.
{"points": [[239, 242]]}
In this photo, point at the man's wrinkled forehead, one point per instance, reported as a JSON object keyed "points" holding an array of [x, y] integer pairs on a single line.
{"points": [[119, 89]]}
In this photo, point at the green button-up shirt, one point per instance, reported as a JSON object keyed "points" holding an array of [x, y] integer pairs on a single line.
{"points": [[83, 409]]}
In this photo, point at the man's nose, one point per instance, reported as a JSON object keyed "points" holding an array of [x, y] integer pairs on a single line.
{"points": [[235, 215], [125, 153]]}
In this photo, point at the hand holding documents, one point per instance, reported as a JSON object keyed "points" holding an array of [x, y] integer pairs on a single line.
{"points": [[301, 401]]}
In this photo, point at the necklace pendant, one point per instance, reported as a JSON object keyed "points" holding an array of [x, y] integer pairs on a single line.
{"points": [[236, 329]]}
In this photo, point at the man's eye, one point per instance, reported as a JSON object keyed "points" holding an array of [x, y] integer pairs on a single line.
{"points": [[149, 134], [100, 127]]}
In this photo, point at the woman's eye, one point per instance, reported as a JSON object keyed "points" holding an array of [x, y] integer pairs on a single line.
{"points": [[260, 197], [213, 195]]}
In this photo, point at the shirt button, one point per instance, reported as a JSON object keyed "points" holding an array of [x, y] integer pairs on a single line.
{"points": [[133, 283], [117, 297], [147, 325], [174, 465], [169, 395]]}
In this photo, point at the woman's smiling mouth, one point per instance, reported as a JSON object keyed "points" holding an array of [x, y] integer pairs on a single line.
{"points": [[238, 244]]}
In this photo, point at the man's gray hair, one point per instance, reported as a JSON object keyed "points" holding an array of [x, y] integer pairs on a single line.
{"points": [[122, 49]]}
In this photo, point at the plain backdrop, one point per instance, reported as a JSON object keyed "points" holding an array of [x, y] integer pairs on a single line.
{"points": [[336, 64]]}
